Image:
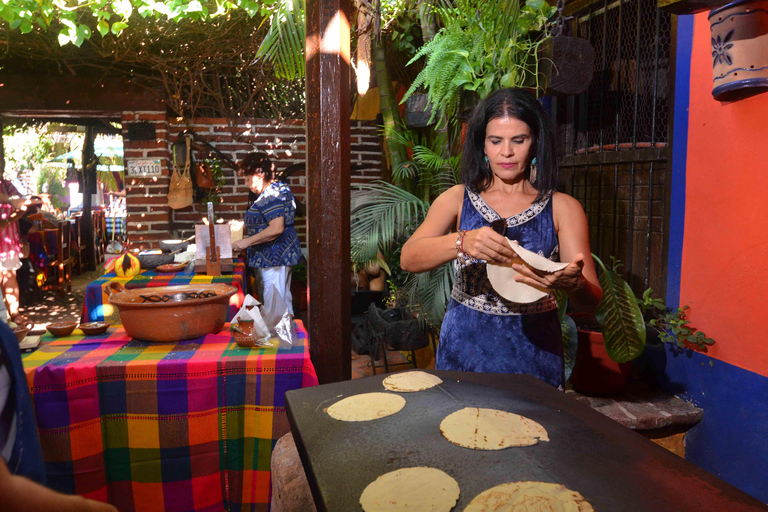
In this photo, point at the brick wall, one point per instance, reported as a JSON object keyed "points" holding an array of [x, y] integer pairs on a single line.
{"points": [[149, 217]]}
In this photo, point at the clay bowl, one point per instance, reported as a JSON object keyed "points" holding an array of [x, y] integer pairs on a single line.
{"points": [[20, 332], [171, 313], [173, 245], [93, 328], [60, 329], [172, 267]]}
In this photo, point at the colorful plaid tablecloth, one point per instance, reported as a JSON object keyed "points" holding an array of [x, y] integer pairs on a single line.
{"points": [[163, 427], [96, 306]]}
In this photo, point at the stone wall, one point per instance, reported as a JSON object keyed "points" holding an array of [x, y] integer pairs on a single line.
{"points": [[150, 219]]}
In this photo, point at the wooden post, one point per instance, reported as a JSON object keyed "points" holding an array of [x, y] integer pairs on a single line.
{"points": [[328, 148], [89, 176]]}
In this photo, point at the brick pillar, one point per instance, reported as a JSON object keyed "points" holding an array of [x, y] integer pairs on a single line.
{"points": [[146, 198]]}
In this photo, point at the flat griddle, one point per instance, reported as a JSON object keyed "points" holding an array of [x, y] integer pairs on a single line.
{"points": [[614, 468]]}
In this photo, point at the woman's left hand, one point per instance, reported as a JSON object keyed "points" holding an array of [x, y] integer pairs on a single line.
{"points": [[239, 245], [568, 279]]}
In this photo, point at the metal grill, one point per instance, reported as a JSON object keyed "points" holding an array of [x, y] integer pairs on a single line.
{"points": [[614, 152]]}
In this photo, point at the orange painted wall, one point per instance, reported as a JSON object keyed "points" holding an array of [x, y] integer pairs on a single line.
{"points": [[724, 276]]}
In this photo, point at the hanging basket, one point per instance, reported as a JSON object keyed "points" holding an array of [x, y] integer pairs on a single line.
{"points": [[418, 110], [568, 64], [739, 42]]}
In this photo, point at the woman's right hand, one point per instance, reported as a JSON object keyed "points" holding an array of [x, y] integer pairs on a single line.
{"points": [[486, 244]]}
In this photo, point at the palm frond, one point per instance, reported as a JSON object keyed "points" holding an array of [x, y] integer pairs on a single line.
{"points": [[386, 213], [430, 292], [283, 45]]}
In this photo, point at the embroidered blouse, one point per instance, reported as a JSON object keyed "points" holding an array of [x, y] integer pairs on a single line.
{"points": [[533, 229], [276, 200]]}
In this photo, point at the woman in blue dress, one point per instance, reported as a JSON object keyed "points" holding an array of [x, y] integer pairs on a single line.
{"points": [[509, 174], [271, 240]]}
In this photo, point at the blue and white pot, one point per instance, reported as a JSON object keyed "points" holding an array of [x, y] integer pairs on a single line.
{"points": [[739, 49]]}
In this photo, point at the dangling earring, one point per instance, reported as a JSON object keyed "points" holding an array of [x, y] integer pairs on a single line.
{"points": [[487, 163], [532, 176]]}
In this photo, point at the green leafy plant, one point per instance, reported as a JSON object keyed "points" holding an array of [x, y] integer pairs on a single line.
{"points": [[619, 315], [484, 45], [299, 273], [51, 181], [672, 325], [387, 215]]}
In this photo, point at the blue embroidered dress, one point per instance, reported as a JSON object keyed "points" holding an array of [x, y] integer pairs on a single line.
{"points": [[276, 200], [483, 332]]}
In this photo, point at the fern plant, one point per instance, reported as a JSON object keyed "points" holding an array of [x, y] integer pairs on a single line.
{"points": [[484, 45]]}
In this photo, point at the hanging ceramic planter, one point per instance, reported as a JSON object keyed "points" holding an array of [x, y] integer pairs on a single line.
{"points": [[739, 49]]}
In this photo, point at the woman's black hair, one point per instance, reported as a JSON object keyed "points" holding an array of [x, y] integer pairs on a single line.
{"points": [[258, 163], [476, 175]]}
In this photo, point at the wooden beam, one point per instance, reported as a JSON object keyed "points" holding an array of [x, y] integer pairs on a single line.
{"points": [[328, 148], [73, 96]]}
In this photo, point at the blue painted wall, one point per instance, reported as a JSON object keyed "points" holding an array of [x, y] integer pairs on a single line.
{"points": [[732, 440]]}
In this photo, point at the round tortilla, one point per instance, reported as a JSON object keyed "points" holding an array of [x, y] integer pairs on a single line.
{"points": [[420, 489], [502, 277], [490, 429], [408, 382], [366, 407], [529, 497]]}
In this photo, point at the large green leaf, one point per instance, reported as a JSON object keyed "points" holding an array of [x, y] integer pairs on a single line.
{"points": [[619, 317], [570, 343]]}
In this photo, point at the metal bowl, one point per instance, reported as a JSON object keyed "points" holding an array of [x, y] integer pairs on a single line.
{"points": [[172, 313]]}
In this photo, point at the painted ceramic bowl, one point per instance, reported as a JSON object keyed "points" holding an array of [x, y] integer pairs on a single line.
{"points": [[59, 329], [93, 328]]}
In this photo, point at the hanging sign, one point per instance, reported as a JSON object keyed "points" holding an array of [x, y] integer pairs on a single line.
{"points": [[143, 168]]}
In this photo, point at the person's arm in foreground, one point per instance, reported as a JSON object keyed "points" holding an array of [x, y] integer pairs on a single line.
{"points": [[579, 278], [432, 244], [19, 494]]}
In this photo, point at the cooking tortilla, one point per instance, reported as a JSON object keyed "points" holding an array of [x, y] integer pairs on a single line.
{"points": [[529, 497], [490, 429], [407, 382], [366, 407], [420, 489], [502, 277]]}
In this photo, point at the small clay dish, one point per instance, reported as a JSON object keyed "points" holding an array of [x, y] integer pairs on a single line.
{"points": [[60, 329], [37, 330], [93, 328], [172, 267], [21, 333]]}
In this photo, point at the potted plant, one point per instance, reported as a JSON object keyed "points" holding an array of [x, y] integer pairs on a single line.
{"points": [[609, 340], [618, 331], [671, 326]]}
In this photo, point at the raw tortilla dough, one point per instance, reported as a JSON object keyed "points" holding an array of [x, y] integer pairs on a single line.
{"points": [[407, 382], [490, 429], [420, 489], [502, 277], [365, 407], [529, 497]]}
